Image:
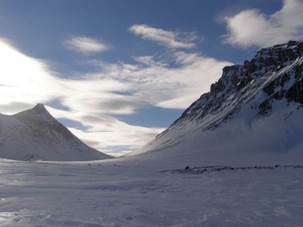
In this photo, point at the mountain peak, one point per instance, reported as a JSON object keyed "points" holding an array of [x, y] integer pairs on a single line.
{"points": [[39, 108], [34, 134], [37, 112]]}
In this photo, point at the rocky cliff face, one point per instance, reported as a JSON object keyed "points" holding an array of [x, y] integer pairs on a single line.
{"points": [[277, 71], [270, 82]]}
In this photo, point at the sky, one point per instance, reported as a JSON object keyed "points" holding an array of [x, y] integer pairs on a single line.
{"points": [[116, 72]]}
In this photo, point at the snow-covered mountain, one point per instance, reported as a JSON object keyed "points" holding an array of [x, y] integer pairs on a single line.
{"points": [[253, 110], [35, 135]]}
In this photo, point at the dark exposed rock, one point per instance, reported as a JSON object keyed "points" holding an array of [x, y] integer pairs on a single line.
{"points": [[265, 107], [276, 71], [295, 93]]}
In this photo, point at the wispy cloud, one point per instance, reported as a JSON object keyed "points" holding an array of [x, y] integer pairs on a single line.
{"points": [[88, 100], [107, 133], [169, 39], [94, 99], [254, 28], [86, 45], [154, 82]]}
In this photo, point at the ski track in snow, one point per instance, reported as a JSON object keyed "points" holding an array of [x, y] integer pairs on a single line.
{"points": [[117, 193]]}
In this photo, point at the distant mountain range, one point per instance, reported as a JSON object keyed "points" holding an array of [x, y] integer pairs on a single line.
{"points": [[253, 112], [35, 135]]}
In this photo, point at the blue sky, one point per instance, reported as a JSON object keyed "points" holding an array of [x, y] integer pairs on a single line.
{"points": [[118, 72]]}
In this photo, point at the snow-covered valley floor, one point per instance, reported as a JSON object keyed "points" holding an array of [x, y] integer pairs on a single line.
{"points": [[125, 194]]}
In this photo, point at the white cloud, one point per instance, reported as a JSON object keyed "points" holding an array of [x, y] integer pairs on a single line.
{"points": [[23, 79], [86, 45], [106, 133], [169, 39], [155, 83], [254, 28], [119, 88], [86, 98]]}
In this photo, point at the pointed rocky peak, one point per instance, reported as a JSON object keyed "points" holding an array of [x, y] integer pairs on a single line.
{"points": [[39, 109], [37, 112], [34, 134]]}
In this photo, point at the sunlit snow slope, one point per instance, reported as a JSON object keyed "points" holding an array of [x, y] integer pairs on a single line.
{"points": [[35, 135]]}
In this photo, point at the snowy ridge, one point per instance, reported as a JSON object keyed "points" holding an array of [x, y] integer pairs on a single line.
{"points": [[256, 106], [35, 135]]}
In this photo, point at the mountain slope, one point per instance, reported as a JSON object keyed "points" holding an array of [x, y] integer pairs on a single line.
{"points": [[254, 109], [35, 135]]}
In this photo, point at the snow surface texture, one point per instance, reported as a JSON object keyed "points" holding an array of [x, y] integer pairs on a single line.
{"points": [[234, 158], [35, 135], [252, 115], [123, 193]]}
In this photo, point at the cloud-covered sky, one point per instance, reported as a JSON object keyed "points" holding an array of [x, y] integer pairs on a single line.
{"points": [[116, 73]]}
